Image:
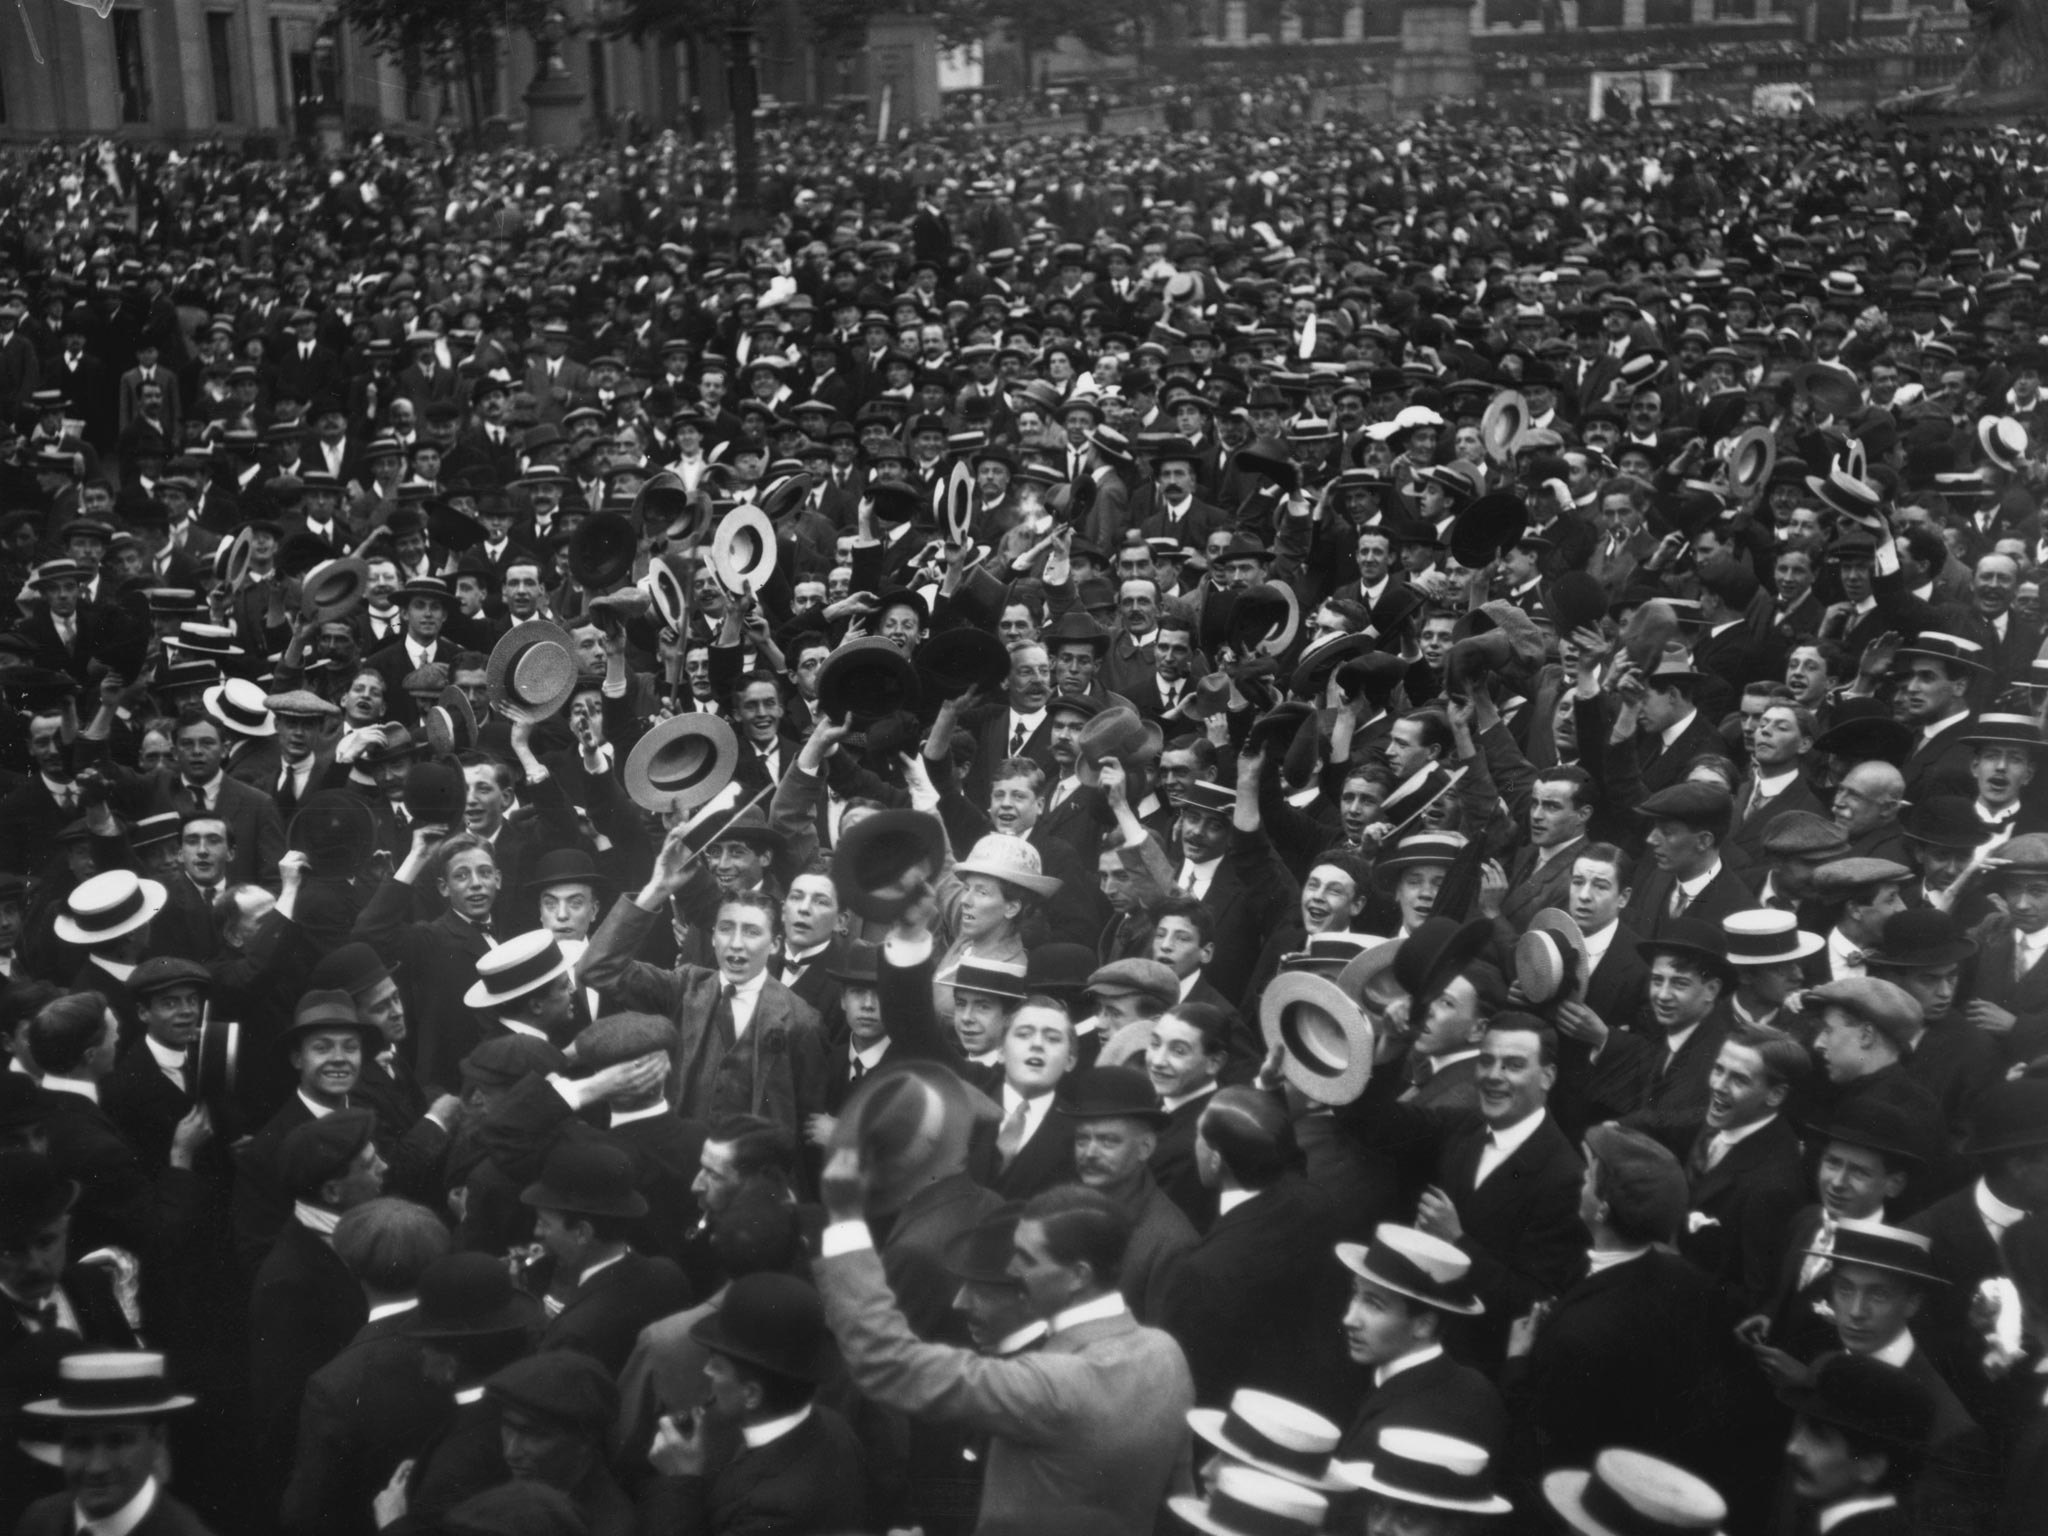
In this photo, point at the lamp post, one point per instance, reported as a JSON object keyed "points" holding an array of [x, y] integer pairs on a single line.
{"points": [[743, 95]]}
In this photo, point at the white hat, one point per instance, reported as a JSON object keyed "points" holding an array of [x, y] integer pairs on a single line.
{"points": [[240, 706], [1416, 1466], [1274, 1435], [108, 906], [516, 967], [1245, 1502], [1011, 860], [1629, 1493]]}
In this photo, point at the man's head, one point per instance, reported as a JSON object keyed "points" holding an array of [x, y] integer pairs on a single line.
{"points": [[739, 1150], [1865, 1026], [1755, 1071], [1559, 807], [1116, 1122], [1517, 1068], [1403, 1289], [1069, 1248], [1244, 1140], [1183, 934], [1599, 887], [1688, 974], [1868, 797]]}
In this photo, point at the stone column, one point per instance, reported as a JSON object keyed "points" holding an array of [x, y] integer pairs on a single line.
{"points": [[1354, 21], [1435, 60], [1233, 21], [1632, 14]]}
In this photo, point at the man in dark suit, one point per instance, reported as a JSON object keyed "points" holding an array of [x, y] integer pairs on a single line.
{"points": [[801, 1468], [1405, 1287], [63, 629], [427, 603], [584, 1202], [1507, 1181], [40, 807], [114, 1427], [1656, 1080], [1031, 1148], [1775, 784], [2011, 1001], [1019, 728], [1598, 1369], [305, 1306], [1686, 876], [1672, 731], [1539, 875], [1230, 865], [1251, 1302], [1939, 671]]}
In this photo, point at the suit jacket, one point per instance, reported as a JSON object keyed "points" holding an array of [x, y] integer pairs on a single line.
{"points": [[1173, 1163], [1963, 1252], [1044, 1160], [1941, 766], [363, 1413], [605, 1313], [1635, 1083], [56, 1516], [1665, 766], [1530, 891], [439, 965], [123, 1201], [303, 1311], [777, 1069], [1619, 989], [1649, 909], [1251, 1303], [1251, 894], [1096, 1417], [811, 1479], [144, 1104], [1742, 1211], [1440, 1395], [1745, 846], [2025, 997], [253, 823]]}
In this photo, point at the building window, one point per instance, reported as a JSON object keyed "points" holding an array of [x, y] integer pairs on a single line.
{"points": [[131, 69], [220, 51]]}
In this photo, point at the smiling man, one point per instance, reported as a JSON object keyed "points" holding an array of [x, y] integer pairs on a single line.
{"points": [[109, 1413]]}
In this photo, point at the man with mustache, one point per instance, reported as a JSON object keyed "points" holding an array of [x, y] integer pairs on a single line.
{"points": [[1116, 1119]]}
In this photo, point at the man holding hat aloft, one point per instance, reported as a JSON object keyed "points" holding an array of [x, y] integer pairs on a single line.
{"points": [[1116, 1118], [304, 1305], [109, 1415], [2012, 984], [1405, 1288], [793, 1463]]}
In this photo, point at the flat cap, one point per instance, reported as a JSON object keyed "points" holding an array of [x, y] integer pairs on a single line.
{"points": [[1844, 875], [564, 1385], [1805, 835], [1137, 978], [2023, 855], [162, 971], [1642, 1184], [1706, 806], [621, 1037], [321, 1150], [501, 1062], [300, 701], [1888, 1009]]}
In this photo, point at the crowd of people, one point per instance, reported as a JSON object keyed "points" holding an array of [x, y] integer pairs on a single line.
{"points": [[1330, 830]]}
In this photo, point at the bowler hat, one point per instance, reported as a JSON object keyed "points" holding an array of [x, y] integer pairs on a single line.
{"points": [[773, 1321], [1486, 526], [865, 679], [564, 1385], [1691, 938], [567, 866], [884, 860], [435, 794], [955, 660], [335, 830], [1945, 821], [1434, 955], [1110, 1093], [587, 1176], [109, 906], [465, 1295], [1919, 938]]}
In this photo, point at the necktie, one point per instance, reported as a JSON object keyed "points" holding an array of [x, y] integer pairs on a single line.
{"points": [[1679, 901], [1816, 1263], [1017, 739], [42, 1319], [726, 994], [857, 1071], [1717, 1148], [1011, 1136], [66, 798]]}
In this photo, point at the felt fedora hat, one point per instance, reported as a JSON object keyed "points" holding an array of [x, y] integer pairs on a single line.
{"points": [[1487, 526], [1431, 958], [743, 550], [1632, 1493], [1507, 416], [333, 589], [906, 1117], [866, 679], [1414, 1264], [1119, 732], [1326, 1036], [532, 671], [601, 551], [1436, 1471], [1243, 1501], [981, 1255], [111, 1384], [335, 830], [664, 501], [682, 763], [1551, 960], [882, 862], [509, 971], [470, 1295], [1275, 1436], [109, 906]]}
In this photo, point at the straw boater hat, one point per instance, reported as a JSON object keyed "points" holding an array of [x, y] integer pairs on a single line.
{"points": [[1273, 1435], [508, 971], [109, 906], [1631, 1493], [1414, 1264], [1417, 1466], [111, 1384]]}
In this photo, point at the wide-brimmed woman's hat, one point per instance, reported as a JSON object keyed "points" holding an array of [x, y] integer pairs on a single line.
{"points": [[1013, 861], [532, 671], [683, 763]]}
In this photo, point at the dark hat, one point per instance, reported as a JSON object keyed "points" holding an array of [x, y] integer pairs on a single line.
{"points": [[881, 862], [161, 972], [2011, 1116], [981, 1255], [955, 660], [867, 679], [1692, 938], [621, 1037], [748, 825], [1436, 953], [773, 1321], [1919, 938], [1878, 1246], [567, 866], [1103, 1093], [1641, 1182], [601, 551], [32, 1193], [1703, 807], [565, 1386], [1487, 526], [504, 1059], [321, 1010], [518, 1508], [462, 1295], [1865, 1121], [1867, 1397], [1414, 1264], [1806, 836], [321, 1150], [1059, 970], [588, 1176], [435, 794], [353, 968], [1944, 821], [860, 966]]}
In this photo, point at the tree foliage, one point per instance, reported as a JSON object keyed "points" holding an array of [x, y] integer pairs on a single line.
{"points": [[444, 38]]}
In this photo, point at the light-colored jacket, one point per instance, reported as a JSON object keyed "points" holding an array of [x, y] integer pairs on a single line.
{"points": [[1097, 1417]]}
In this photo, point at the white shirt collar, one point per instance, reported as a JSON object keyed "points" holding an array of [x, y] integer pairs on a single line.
{"points": [[628, 1116], [518, 1028], [1674, 1041], [385, 1309], [869, 1056], [1597, 944], [1771, 785], [1111, 1305], [1699, 882], [1728, 1138], [1996, 1213], [83, 1087], [320, 1111], [1602, 1259], [1929, 732], [1898, 1352], [1230, 1199], [1015, 1343], [120, 970], [172, 1062], [1509, 1138], [468, 1395], [123, 1520], [1673, 731], [1193, 979], [1385, 1373], [758, 1435], [1827, 1519], [600, 1267], [318, 1218], [1188, 1098]]}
